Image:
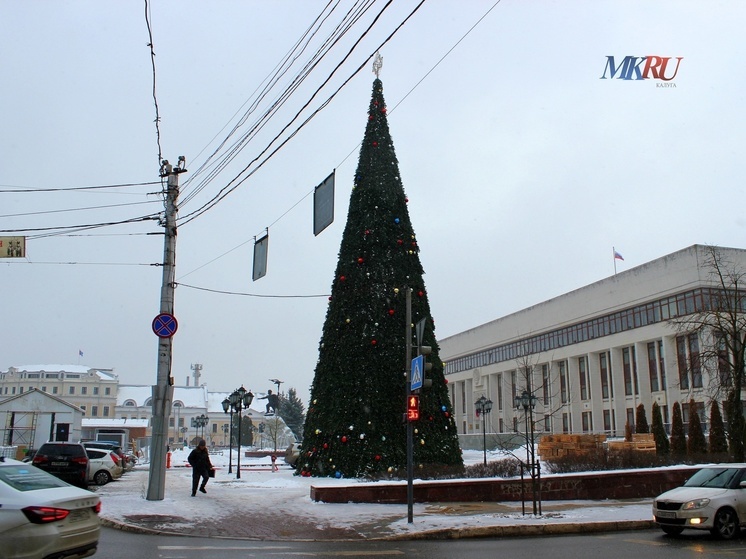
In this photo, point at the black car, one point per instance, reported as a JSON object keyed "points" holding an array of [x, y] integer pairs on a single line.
{"points": [[67, 461]]}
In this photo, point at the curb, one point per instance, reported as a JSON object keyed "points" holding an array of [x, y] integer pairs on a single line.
{"points": [[440, 534]]}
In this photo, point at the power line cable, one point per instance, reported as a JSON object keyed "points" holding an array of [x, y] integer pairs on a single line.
{"points": [[80, 209], [24, 189], [252, 294], [228, 188]]}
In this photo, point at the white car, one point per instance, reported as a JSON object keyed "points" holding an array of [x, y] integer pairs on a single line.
{"points": [[713, 499], [103, 466], [42, 516]]}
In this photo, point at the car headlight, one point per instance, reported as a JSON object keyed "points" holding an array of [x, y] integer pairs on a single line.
{"points": [[696, 504]]}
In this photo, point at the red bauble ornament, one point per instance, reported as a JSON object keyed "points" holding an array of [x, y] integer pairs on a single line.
{"points": [[420, 293], [342, 278], [367, 231], [406, 200], [360, 260], [445, 381], [344, 438], [447, 414], [399, 242], [383, 110], [391, 312], [370, 117], [374, 342], [326, 445], [375, 144], [378, 457]]}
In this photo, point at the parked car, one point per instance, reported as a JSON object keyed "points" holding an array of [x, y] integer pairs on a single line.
{"points": [[713, 499], [42, 516], [67, 461], [103, 466], [126, 463]]}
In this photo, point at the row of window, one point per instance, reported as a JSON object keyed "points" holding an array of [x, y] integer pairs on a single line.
{"points": [[682, 304], [11, 390]]}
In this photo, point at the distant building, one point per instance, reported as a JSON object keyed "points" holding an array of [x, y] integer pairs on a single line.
{"points": [[590, 356], [35, 417], [91, 389]]}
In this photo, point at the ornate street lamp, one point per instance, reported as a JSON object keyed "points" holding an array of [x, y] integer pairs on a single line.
{"points": [[226, 427], [527, 401], [483, 407], [227, 408], [183, 433], [240, 399]]}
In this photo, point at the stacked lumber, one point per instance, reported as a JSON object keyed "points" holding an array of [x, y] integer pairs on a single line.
{"points": [[553, 446], [641, 442]]}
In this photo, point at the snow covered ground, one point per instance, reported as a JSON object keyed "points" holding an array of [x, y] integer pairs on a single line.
{"points": [[267, 505]]}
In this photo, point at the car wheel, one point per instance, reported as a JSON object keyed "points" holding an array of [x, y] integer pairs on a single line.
{"points": [[725, 525], [102, 477], [672, 530]]}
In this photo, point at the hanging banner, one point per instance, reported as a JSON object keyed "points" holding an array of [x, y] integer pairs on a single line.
{"points": [[260, 257], [323, 204], [12, 247]]}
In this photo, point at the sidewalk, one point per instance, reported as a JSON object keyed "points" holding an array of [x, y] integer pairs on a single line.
{"points": [[265, 505]]}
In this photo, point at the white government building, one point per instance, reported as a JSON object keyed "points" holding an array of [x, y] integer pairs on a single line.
{"points": [[593, 354]]}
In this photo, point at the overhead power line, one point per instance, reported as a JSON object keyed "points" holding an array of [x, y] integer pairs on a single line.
{"points": [[25, 189]]}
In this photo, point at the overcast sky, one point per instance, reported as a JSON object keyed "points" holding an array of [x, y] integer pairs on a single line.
{"points": [[522, 166]]}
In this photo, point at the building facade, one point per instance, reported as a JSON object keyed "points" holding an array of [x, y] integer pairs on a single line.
{"points": [[92, 390], [591, 356]]}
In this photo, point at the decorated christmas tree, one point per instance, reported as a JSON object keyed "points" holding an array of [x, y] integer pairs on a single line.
{"points": [[355, 422]]}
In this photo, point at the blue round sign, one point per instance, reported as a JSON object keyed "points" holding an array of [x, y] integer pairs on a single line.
{"points": [[165, 325]]}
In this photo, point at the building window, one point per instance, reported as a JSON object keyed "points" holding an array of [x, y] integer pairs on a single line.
{"points": [[54, 390], [71, 390], [547, 423], [681, 358], [603, 365], [694, 360], [463, 397], [587, 422], [724, 366], [84, 390], [83, 408], [106, 411], [171, 422], [583, 376], [95, 390], [662, 363], [500, 392], [20, 389], [653, 367], [94, 411], [546, 383], [607, 421], [563, 383], [107, 391], [565, 423], [43, 388], [627, 366], [214, 428], [513, 386], [14, 390]]}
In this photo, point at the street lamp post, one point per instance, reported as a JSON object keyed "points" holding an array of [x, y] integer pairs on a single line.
{"points": [[227, 408], [483, 407], [240, 399], [200, 422], [226, 427], [527, 401], [183, 433]]}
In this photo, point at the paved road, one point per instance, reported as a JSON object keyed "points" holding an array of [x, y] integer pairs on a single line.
{"points": [[650, 544]]}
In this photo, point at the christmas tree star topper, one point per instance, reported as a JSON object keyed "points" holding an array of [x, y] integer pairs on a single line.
{"points": [[377, 64]]}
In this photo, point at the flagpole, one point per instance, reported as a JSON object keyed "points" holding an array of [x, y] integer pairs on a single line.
{"points": [[613, 257]]}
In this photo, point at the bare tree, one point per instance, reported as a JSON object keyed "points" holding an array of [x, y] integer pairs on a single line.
{"points": [[719, 320]]}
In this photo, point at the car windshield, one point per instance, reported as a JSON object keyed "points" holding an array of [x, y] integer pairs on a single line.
{"points": [[713, 477], [23, 477]]}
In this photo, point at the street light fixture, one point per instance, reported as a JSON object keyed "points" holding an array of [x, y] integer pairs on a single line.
{"points": [[227, 408], [483, 407], [183, 433], [527, 401], [200, 422], [240, 399], [226, 427]]}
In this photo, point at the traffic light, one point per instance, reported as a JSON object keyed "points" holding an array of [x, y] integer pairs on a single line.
{"points": [[426, 350], [413, 407]]}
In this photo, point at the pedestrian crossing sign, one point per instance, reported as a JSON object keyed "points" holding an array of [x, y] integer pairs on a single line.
{"points": [[418, 364]]}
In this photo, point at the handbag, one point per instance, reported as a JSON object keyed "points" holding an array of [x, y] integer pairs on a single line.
{"points": [[211, 473]]}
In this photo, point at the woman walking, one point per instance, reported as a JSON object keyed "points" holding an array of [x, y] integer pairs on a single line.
{"points": [[199, 459]]}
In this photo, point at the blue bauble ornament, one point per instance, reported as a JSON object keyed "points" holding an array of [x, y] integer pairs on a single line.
{"points": [[396, 220], [338, 474], [443, 408]]}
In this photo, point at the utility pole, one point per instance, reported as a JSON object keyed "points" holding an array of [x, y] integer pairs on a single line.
{"points": [[407, 394], [163, 391]]}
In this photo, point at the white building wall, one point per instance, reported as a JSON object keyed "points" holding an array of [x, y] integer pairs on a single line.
{"points": [[667, 276]]}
